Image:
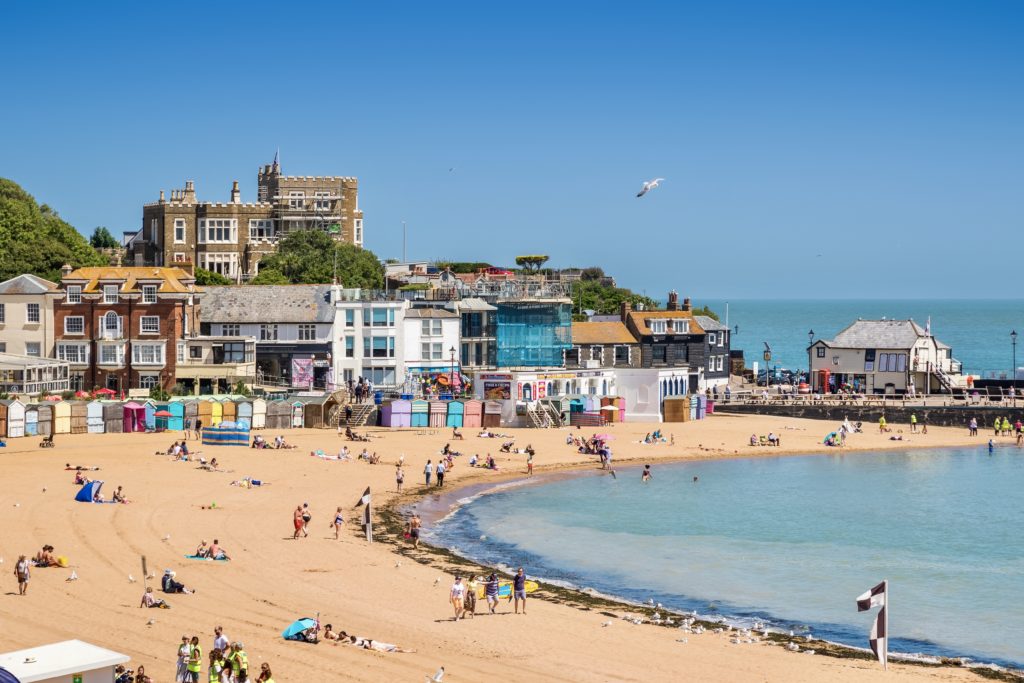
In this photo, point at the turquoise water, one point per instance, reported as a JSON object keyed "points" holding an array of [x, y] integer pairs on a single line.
{"points": [[792, 540], [978, 330]]}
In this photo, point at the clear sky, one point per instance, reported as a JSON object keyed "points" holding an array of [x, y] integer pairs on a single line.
{"points": [[810, 149]]}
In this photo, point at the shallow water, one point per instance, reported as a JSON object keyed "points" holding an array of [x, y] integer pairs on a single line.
{"points": [[791, 539]]}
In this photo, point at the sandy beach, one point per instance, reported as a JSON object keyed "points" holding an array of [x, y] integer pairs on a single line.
{"points": [[353, 585]]}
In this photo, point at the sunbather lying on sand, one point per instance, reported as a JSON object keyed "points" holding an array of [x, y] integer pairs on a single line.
{"points": [[81, 468], [369, 643]]}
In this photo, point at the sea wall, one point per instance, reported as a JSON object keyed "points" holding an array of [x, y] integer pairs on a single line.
{"points": [[942, 416]]}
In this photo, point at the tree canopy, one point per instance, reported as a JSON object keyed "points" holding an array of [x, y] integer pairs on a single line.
{"points": [[102, 239], [208, 277], [34, 239], [604, 300], [310, 256], [531, 262], [704, 310]]}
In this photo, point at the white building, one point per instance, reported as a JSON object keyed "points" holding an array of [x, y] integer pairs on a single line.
{"points": [[367, 341], [70, 661], [430, 345]]}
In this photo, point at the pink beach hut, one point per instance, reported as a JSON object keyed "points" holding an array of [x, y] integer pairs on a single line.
{"points": [[134, 417]]}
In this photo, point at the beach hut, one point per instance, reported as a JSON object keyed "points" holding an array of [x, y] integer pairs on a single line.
{"points": [[15, 418], [94, 417], [387, 414], [399, 414], [438, 413], [492, 414], [279, 415], [31, 420], [313, 413], [243, 411], [150, 407], [259, 413], [191, 411], [133, 417], [45, 421], [456, 414], [419, 413], [229, 410], [176, 422], [162, 418], [473, 413], [113, 418], [216, 412], [3, 419], [298, 413], [62, 417], [204, 412]]}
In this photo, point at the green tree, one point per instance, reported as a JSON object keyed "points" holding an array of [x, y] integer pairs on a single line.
{"points": [[313, 257], [35, 239], [592, 295], [209, 278], [531, 263], [704, 310], [102, 239]]}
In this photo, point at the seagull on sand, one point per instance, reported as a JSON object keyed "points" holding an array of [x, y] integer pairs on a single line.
{"points": [[436, 678], [648, 186], [131, 579]]}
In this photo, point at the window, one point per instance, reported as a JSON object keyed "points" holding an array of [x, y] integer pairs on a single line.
{"points": [[154, 224], [218, 231], [110, 294], [721, 339], [195, 352], [234, 352], [111, 354], [359, 231], [179, 230], [149, 294], [230, 330], [883, 362], [307, 332], [380, 317], [225, 264], [431, 351], [572, 356], [622, 355], [74, 324], [73, 353], [148, 354], [296, 199], [268, 332], [261, 230], [721, 363], [180, 257], [149, 381], [323, 200], [149, 324], [32, 313], [350, 317], [821, 351], [111, 325], [711, 338], [32, 349], [430, 328], [74, 294], [657, 326], [901, 362], [596, 352], [181, 353], [350, 347], [3, 313], [378, 347], [3, 347], [659, 353], [680, 325]]}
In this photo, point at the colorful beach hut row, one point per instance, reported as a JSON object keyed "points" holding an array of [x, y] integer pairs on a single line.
{"points": [[422, 413]]}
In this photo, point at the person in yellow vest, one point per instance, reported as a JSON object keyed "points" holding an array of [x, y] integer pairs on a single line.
{"points": [[239, 663], [881, 424], [913, 423], [265, 675], [195, 661], [216, 665]]}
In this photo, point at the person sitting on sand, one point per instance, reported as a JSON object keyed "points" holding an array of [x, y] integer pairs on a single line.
{"points": [[203, 550], [81, 479], [507, 446], [119, 496], [150, 600], [753, 439], [473, 460], [281, 443], [45, 558], [329, 633], [169, 584], [98, 497], [456, 434], [491, 465], [773, 440], [216, 552]]}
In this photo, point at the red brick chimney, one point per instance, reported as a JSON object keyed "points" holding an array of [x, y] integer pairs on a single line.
{"points": [[624, 310], [673, 301], [687, 306]]}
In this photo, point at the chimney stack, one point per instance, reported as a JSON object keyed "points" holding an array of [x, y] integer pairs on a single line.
{"points": [[66, 270], [673, 301], [687, 306], [236, 195], [624, 310], [190, 192], [161, 196]]}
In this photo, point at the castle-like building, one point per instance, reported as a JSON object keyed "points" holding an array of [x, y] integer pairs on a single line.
{"points": [[232, 237]]}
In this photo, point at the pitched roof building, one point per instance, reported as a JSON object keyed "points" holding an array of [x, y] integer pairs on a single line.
{"points": [[26, 315]]}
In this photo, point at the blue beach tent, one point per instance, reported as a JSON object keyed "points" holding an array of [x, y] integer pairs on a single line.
{"points": [[89, 491], [297, 630], [7, 677]]}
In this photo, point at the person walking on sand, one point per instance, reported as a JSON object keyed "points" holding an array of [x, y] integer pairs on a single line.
{"points": [[529, 465], [220, 641], [470, 602], [457, 597], [440, 473], [519, 589], [428, 471], [297, 521], [23, 573], [491, 592], [414, 530], [306, 516], [399, 477], [195, 661], [972, 427], [188, 427], [199, 429], [181, 672], [337, 523], [913, 423]]}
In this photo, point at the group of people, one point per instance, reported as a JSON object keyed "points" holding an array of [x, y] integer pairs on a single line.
{"points": [[228, 662], [487, 463], [771, 440], [343, 638], [657, 437], [194, 425], [463, 595]]}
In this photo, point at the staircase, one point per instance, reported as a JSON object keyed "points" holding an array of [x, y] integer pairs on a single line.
{"points": [[536, 418], [944, 379], [553, 415], [361, 412]]}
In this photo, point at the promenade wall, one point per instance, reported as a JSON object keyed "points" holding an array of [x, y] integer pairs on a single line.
{"points": [[942, 416]]}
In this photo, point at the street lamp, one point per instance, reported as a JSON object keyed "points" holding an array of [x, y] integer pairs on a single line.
{"points": [[451, 351], [1013, 370], [810, 342]]}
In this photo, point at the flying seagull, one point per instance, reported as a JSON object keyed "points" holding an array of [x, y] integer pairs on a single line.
{"points": [[648, 186]]}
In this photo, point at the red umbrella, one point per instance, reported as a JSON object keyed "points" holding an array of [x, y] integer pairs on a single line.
{"points": [[105, 392], [162, 413], [81, 394], [53, 398]]}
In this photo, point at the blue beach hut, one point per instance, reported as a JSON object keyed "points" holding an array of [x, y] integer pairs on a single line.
{"points": [[456, 411]]}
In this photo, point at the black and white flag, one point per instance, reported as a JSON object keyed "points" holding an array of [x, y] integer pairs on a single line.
{"points": [[368, 521], [365, 499], [879, 639]]}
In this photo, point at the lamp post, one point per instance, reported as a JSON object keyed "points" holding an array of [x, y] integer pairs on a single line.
{"points": [[451, 351], [810, 342], [1013, 370]]}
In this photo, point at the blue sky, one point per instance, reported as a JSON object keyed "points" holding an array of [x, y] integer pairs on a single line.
{"points": [[888, 138]]}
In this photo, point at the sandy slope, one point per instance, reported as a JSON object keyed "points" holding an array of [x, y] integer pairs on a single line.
{"points": [[357, 587]]}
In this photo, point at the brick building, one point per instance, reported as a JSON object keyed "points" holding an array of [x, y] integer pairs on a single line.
{"points": [[232, 237], [119, 328]]}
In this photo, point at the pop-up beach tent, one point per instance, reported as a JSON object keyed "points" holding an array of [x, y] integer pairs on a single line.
{"points": [[299, 630], [7, 677], [88, 492]]}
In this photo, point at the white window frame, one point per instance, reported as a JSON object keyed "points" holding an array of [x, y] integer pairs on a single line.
{"points": [[118, 351], [74, 294], [358, 236], [323, 199], [218, 231], [105, 327], [262, 230], [296, 199], [658, 326], [223, 262], [181, 352], [80, 355], [81, 324], [712, 337], [38, 347], [307, 332], [153, 323], [32, 311], [155, 353], [268, 332], [110, 294], [230, 330], [149, 380], [179, 230], [149, 294]]}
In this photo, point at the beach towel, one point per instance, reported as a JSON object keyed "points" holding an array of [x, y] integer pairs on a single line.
{"points": [[209, 559]]}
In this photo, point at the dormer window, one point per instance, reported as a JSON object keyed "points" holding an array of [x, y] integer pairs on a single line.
{"points": [[110, 294], [74, 294], [658, 326], [149, 294]]}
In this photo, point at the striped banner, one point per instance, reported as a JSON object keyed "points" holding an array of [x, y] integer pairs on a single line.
{"points": [[879, 637]]}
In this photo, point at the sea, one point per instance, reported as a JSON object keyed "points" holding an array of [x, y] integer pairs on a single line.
{"points": [[788, 541], [978, 330]]}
